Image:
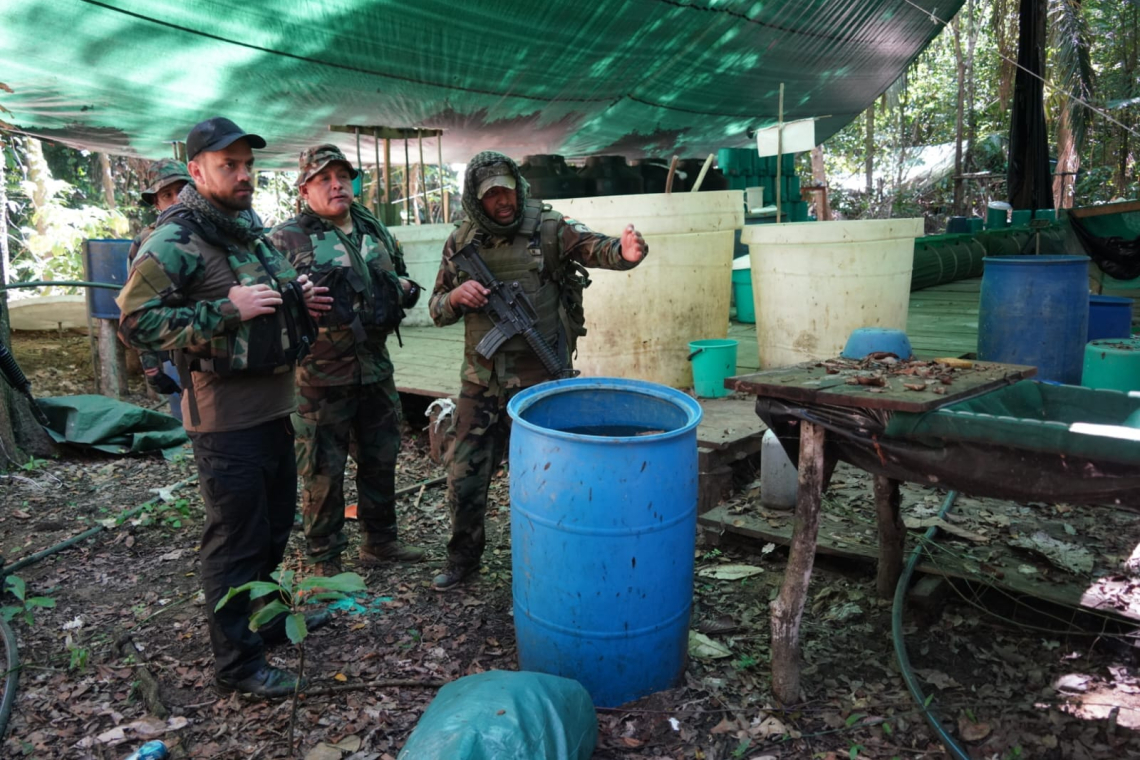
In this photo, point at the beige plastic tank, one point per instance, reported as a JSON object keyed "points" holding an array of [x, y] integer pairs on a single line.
{"points": [[423, 250], [640, 322], [815, 282]]}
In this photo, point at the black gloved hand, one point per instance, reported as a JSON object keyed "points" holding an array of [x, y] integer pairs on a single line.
{"points": [[163, 383]]}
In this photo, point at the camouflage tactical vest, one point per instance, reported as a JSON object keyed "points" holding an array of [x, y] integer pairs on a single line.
{"points": [[362, 278], [521, 261], [269, 344]]}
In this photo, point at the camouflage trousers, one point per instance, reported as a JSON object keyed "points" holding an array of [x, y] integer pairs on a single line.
{"points": [[332, 422], [482, 430]]}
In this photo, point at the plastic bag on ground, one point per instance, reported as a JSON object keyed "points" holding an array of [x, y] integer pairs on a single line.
{"points": [[504, 715]]}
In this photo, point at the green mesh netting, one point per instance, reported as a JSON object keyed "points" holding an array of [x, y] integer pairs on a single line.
{"points": [[637, 77]]}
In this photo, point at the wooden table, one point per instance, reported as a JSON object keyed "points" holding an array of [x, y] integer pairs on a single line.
{"points": [[828, 383]]}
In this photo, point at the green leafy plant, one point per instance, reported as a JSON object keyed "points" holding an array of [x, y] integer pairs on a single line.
{"points": [[15, 584], [741, 748], [287, 595], [745, 662]]}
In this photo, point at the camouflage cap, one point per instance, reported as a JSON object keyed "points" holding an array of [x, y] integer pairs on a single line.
{"points": [[494, 175], [315, 159], [161, 173]]}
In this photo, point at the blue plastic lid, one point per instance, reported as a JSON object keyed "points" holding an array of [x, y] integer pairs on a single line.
{"points": [[1111, 300]]}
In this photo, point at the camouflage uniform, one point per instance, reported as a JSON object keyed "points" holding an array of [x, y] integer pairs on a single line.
{"points": [[481, 424], [347, 397], [159, 174], [176, 299]]}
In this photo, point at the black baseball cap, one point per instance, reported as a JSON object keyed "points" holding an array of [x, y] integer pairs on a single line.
{"points": [[215, 134]]}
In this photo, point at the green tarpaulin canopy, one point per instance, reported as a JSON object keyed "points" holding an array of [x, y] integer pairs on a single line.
{"points": [[636, 77]]}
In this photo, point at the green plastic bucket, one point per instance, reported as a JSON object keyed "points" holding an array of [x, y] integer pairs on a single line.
{"points": [[713, 361], [742, 294], [1112, 363]]}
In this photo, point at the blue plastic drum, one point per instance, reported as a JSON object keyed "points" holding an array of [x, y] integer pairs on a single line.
{"points": [[603, 529]]}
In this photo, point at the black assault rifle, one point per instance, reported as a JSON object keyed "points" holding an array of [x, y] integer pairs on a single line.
{"points": [[511, 311]]}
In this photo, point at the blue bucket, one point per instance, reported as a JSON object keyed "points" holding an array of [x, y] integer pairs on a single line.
{"points": [[603, 529], [1034, 310], [105, 260], [1109, 317]]}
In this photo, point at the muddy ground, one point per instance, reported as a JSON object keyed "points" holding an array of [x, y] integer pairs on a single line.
{"points": [[1011, 679]]}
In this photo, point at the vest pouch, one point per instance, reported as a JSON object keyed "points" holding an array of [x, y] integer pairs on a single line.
{"points": [[386, 312], [267, 343], [346, 288]]}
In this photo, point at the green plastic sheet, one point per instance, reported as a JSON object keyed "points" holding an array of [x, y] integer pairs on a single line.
{"points": [[504, 715], [576, 77], [115, 427]]}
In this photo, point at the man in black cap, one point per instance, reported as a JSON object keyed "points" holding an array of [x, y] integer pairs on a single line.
{"points": [[208, 287]]}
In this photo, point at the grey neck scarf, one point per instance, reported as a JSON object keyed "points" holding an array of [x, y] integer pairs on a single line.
{"points": [[244, 228]]}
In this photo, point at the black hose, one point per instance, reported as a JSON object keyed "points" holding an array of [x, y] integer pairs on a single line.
{"points": [[12, 676], [61, 283], [953, 749], [34, 558]]}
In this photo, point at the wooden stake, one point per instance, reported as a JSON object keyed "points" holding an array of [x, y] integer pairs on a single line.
{"points": [[387, 179], [376, 178], [779, 151], [788, 607]]}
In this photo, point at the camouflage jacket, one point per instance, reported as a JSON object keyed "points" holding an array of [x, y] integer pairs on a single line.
{"points": [[342, 355], [576, 243], [162, 308], [150, 359]]}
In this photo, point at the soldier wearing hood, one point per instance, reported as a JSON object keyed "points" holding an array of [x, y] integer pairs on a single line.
{"points": [[525, 241]]}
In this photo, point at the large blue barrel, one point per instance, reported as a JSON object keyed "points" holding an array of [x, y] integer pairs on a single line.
{"points": [[603, 529], [1035, 310], [105, 261], [1110, 317]]}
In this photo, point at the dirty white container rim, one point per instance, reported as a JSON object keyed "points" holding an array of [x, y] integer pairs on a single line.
{"points": [[822, 233], [658, 213]]}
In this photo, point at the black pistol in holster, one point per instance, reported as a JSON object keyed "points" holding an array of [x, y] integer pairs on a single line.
{"points": [[511, 311]]}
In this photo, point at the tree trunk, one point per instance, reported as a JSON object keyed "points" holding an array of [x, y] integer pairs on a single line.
{"points": [[20, 434], [1067, 162], [959, 115], [972, 30], [869, 150], [106, 180]]}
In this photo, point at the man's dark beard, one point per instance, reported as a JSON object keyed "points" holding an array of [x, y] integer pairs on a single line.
{"points": [[230, 202]]}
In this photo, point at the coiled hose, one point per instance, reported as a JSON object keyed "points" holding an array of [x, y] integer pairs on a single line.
{"points": [[929, 712]]}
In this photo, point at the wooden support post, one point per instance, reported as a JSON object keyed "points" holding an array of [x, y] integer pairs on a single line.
{"points": [[407, 185], [892, 535], [112, 360], [788, 607], [779, 152]]}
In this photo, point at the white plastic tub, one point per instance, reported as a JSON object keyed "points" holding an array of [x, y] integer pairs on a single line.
{"points": [[815, 282], [640, 322], [423, 250]]}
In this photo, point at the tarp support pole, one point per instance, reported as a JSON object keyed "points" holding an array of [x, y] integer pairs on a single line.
{"points": [[442, 189], [376, 178], [779, 150], [407, 184], [423, 183]]}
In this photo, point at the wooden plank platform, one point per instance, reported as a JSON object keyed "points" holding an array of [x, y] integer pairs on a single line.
{"points": [[943, 322], [847, 529]]}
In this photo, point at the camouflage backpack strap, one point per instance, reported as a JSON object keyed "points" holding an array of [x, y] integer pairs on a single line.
{"points": [[572, 278]]}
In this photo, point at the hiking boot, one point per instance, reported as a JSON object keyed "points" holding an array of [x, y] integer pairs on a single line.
{"points": [[452, 575], [267, 682], [393, 551], [326, 568], [273, 632]]}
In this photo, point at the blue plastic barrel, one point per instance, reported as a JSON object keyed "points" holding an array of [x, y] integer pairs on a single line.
{"points": [[603, 529], [105, 260], [1110, 317], [1035, 310]]}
